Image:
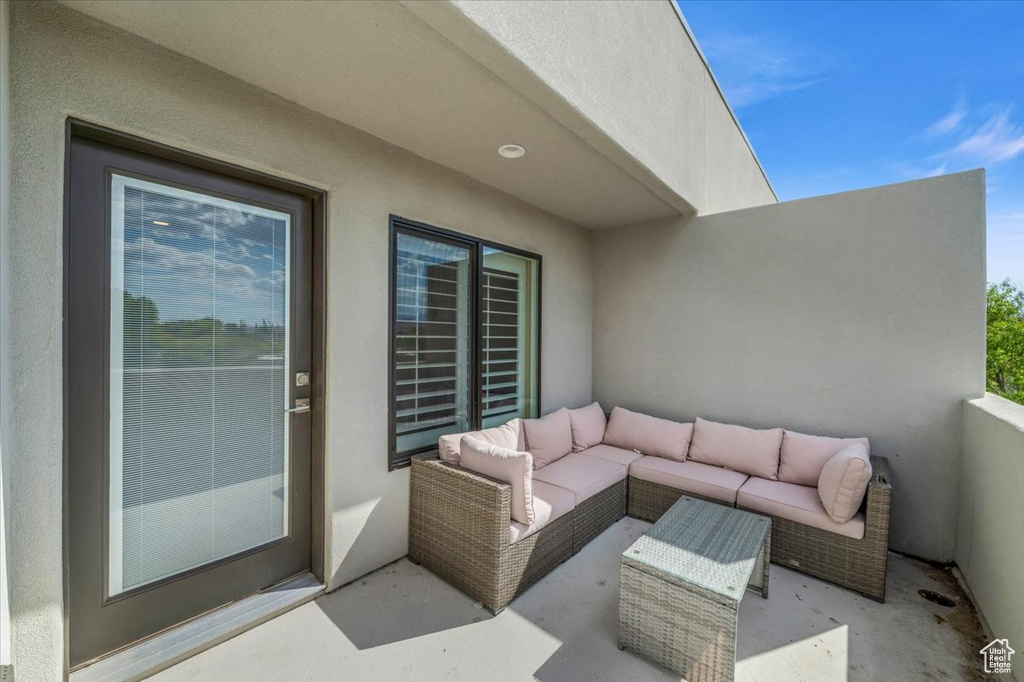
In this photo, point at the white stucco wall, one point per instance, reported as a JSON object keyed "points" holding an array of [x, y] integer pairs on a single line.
{"points": [[732, 177], [633, 73], [855, 314], [989, 541], [5, 620], [66, 64]]}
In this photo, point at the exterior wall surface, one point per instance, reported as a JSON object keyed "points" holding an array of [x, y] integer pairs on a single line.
{"points": [[673, 121], [5, 618], [855, 314], [732, 177], [65, 64], [989, 542]]}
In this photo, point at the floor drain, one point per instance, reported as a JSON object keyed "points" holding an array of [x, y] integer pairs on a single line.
{"points": [[936, 598]]}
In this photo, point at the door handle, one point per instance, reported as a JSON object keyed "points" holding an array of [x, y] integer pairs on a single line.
{"points": [[301, 405]]}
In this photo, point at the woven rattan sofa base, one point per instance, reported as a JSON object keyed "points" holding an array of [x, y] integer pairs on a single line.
{"points": [[649, 501], [857, 564], [594, 515], [458, 529]]}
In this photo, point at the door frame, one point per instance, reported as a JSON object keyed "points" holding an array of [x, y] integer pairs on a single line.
{"points": [[78, 128]]}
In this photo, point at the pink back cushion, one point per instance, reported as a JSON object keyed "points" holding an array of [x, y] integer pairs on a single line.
{"points": [[844, 481], [515, 468], [648, 435], [509, 435], [803, 456], [548, 438], [588, 425], [752, 451]]}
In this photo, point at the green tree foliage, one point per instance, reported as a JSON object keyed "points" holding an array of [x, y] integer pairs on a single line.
{"points": [[198, 342], [1005, 363]]}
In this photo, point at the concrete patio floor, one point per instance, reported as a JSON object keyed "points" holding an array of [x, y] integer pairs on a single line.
{"points": [[403, 623]]}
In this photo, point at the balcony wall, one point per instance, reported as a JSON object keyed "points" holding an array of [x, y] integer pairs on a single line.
{"points": [[5, 619], [855, 314], [989, 542], [65, 63]]}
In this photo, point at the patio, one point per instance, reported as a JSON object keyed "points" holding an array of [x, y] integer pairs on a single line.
{"points": [[631, 254], [403, 623]]}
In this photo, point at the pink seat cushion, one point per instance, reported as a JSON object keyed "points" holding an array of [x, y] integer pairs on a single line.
{"points": [[549, 503], [548, 438], [509, 435], [844, 481], [515, 468], [691, 477], [798, 503], [585, 476], [613, 454], [648, 435], [803, 456], [751, 451], [587, 426]]}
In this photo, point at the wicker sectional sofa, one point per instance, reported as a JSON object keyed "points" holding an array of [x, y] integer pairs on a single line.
{"points": [[857, 563], [459, 529], [460, 526]]}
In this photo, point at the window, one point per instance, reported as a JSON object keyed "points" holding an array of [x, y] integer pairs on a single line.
{"points": [[465, 324]]}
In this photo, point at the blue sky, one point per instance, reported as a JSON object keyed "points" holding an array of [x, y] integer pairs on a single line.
{"points": [[845, 95]]}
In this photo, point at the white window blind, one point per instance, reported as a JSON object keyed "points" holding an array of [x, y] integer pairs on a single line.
{"points": [[431, 340], [198, 365]]}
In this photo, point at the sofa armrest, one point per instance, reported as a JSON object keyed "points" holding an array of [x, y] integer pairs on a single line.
{"points": [[879, 473], [878, 501], [465, 511]]}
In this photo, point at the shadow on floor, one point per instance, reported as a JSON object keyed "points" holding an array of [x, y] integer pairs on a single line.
{"points": [[565, 628], [398, 602]]}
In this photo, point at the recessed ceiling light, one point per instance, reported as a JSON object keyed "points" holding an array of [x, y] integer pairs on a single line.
{"points": [[161, 223], [511, 151]]}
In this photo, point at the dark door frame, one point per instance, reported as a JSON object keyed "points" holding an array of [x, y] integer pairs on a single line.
{"points": [[76, 128]]}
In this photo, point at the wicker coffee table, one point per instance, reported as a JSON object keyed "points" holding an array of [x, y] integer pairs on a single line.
{"points": [[682, 583]]}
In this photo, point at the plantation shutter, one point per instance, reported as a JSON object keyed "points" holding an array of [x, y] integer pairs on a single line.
{"points": [[465, 337], [431, 340], [501, 347]]}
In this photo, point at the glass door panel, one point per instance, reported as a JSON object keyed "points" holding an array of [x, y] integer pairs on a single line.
{"points": [[199, 362]]}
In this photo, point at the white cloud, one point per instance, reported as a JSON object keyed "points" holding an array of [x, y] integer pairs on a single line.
{"points": [[753, 69], [995, 140], [916, 171], [987, 143], [949, 122], [183, 283]]}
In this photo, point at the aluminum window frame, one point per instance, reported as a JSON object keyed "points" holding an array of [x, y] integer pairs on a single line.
{"points": [[398, 225]]}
